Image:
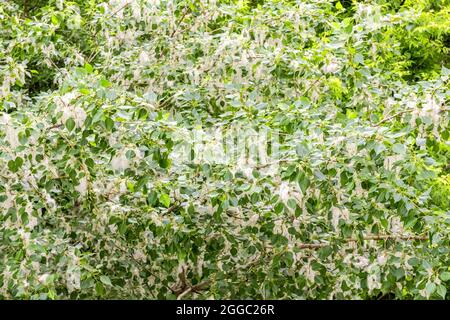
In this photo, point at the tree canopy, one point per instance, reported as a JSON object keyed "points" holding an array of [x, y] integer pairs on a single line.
{"points": [[221, 149]]}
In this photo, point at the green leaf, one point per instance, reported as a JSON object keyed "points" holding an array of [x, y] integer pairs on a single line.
{"points": [[105, 280], [90, 163], [84, 91], [351, 114], [141, 182], [23, 138], [164, 162], [430, 288], [445, 276], [379, 148], [442, 291], [100, 289], [88, 68], [398, 273], [55, 20], [109, 124], [279, 207], [358, 58], [413, 261], [302, 150], [105, 83], [303, 181], [130, 186], [164, 199], [399, 148], [15, 165], [324, 252], [142, 114], [411, 222], [19, 162], [70, 124], [151, 198], [12, 165], [123, 227]]}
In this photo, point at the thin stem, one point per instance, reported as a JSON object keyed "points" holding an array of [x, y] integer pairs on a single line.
{"points": [[374, 237]]}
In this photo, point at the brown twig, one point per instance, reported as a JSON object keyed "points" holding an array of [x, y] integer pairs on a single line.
{"points": [[391, 117], [311, 86], [268, 164], [375, 237], [94, 53], [175, 30], [173, 207], [184, 287], [55, 126], [184, 293], [388, 237], [179, 23]]}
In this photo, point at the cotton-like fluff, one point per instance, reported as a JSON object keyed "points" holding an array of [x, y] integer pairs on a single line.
{"points": [[337, 214], [396, 225], [431, 108], [43, 278], [139, 255], [11, 133], [144, 59], [82, 187], [70, 111], [253, 219], [79, 116], [120, 162], [308, 272], [382, 259], [73, 276], [245, 165], [361, 262], [373, 282], [284, 191], [331, 67]]}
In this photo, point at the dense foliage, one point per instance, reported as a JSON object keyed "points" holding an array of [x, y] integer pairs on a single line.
{"points": [[116, 182]]}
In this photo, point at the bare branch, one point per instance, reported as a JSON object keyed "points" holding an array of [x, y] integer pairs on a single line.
{"points": [[374, 237]]}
